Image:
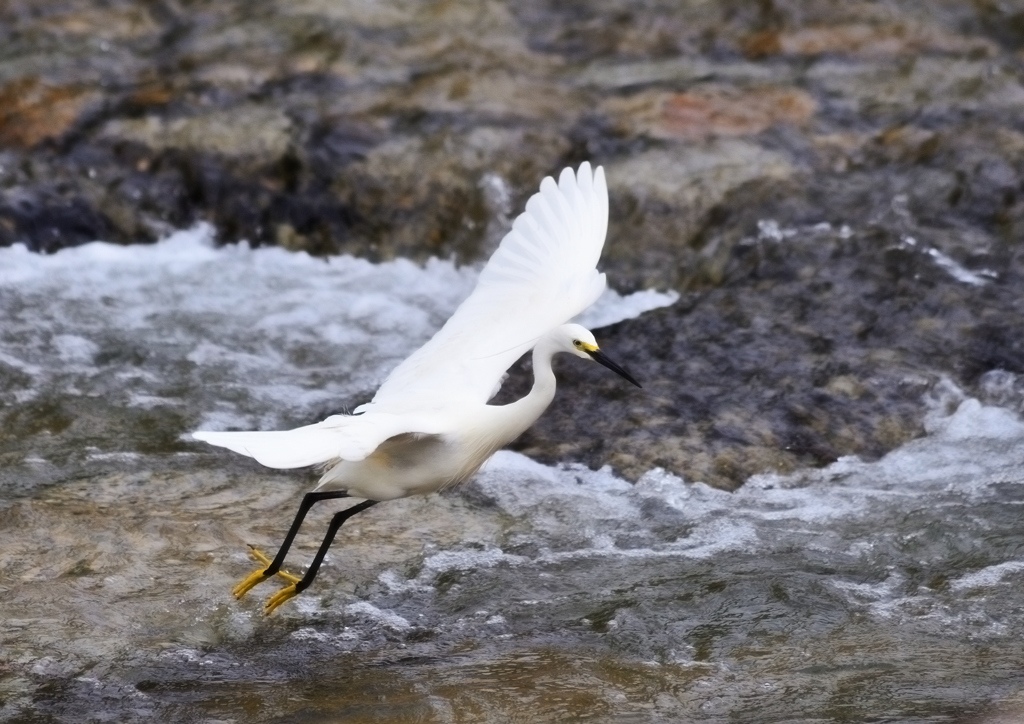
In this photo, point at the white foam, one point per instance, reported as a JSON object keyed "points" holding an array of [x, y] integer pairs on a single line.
{"points": [[956, 270], [975, 421], [389, 619], [987, 577], [612, 307], [73, 348], [968, 457], [467, 560], [272, 336]]}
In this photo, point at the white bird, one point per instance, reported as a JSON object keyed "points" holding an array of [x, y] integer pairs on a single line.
{"points": [[430, 425]]}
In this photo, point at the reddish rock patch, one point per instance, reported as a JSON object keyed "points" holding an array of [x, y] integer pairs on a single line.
{"points": [[31, 111]]}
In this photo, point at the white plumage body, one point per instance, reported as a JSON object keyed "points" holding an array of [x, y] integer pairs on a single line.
{"points": [[430, 425]]}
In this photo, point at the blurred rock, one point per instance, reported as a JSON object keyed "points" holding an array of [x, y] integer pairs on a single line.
{"points": [[889, 38], [240, 131], [668, 194], [32, 112], [262, 117], [711, 111]]}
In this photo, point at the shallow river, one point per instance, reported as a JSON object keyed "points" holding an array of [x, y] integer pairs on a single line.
{"points": [[889, 590]]}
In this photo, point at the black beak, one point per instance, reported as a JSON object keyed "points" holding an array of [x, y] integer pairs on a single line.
{"points": [[602, 359]]}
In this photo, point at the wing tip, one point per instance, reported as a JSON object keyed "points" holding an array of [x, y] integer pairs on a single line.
{"points": [[589, 179], [585, 176]]}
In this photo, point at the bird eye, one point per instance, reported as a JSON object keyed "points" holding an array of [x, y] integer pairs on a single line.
{"points": [[577, 342]]}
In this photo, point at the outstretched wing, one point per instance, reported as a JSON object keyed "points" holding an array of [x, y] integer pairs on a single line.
{"points": [[542, 275], [345, 437]]}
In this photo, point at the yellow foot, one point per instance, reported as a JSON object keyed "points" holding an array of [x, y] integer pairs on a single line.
{"points": [[266, 560], [278, 598], [259, 575]]}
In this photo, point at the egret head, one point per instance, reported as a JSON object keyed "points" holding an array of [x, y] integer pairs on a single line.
{"points": [[580, 341]]}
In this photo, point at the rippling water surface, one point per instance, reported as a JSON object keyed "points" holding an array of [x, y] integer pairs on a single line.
{"points": [[863, 591]]}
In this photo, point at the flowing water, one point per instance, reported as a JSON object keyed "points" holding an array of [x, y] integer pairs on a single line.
{"points": [[883, 591]]}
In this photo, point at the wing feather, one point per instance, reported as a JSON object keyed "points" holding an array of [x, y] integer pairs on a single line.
{"points": [[542, 275], [339, 437]]}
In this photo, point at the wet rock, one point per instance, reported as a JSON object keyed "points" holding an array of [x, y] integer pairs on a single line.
{"points": [[938, 87], [867, 40], [33, 111], [50, 221], [464, 207], [711, 111], [240, 131], [661, 199], [819, 343]]}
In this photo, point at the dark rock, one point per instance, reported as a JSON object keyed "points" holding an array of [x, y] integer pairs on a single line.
{"points": [[819, 343]]}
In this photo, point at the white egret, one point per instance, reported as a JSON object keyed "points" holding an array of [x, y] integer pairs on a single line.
{"points": [[430, 425]]}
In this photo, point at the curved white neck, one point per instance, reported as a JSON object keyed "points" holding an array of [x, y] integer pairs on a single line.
{"points": [[522, 413]]}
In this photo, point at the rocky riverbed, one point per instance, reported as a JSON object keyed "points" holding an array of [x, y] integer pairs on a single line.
{"points": [[833, 190]]}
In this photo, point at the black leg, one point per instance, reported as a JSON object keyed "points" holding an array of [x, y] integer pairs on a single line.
{"points": [[336, 522], [274, 566], [308, 501], [332, 530]]}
